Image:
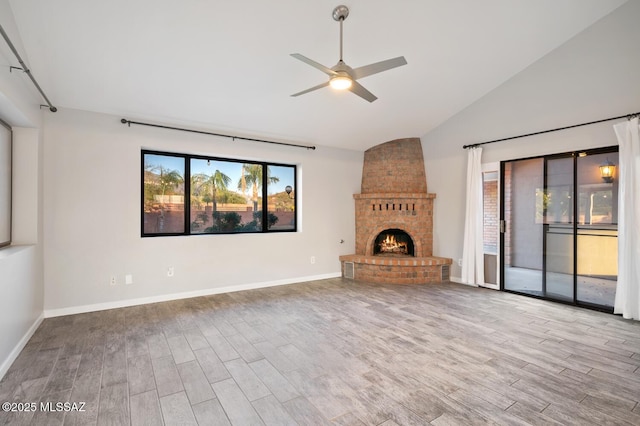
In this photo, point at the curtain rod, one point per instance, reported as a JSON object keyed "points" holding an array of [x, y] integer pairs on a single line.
{"points": [[26, 70], [628, 116], [202, 132]]}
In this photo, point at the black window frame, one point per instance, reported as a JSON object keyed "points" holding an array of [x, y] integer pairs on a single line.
{"points": [[187, 194], [8, 162]]}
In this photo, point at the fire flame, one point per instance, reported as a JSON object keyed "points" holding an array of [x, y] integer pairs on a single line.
{"points": [[390, 245]]}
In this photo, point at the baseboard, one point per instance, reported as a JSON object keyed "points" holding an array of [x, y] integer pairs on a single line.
{"points": [[18, 348], [50, 313], [458, 280]]}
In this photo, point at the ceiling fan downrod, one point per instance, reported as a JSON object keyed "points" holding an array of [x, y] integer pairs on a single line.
{"points": [[340, 13]]}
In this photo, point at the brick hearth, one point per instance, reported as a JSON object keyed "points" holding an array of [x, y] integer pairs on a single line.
{"points": [[394, 196]]}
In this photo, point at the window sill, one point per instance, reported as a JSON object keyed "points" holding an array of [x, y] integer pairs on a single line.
{"points": [[8, 251]]}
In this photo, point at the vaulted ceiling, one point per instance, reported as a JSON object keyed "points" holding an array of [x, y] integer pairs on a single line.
{"points": [[226, 66]]}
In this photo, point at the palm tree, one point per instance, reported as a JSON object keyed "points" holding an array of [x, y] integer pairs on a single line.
{"points": [[196, 192], [213, 183], [168, 180], [242, 185], [252, 176]]}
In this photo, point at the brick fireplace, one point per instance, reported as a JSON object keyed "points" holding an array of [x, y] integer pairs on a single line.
{"points": [[394, 219]]}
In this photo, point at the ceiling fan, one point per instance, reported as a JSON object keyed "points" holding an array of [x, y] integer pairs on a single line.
{"points": [[341, 75]]}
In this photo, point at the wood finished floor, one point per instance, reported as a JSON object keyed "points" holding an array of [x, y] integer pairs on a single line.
{"points": [[334, 352]]}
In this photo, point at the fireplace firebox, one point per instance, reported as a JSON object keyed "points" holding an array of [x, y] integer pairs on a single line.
{"points": [[393, 242]]}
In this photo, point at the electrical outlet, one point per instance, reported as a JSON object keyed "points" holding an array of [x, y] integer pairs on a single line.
{"points": [[312, 260], [128, 279], [170, 271], [113, 280], [459, 262]]}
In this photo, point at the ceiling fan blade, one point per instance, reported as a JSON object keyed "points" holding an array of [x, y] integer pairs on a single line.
{"points": [[379, 67], [319, 86], [314, 64], [359, 90]]}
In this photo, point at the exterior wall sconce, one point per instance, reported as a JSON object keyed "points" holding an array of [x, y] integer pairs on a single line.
{"points": [[288, 189], [607, 170]]}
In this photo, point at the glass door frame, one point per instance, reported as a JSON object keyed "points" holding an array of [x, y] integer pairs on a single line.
{"points": [[490, 168]]}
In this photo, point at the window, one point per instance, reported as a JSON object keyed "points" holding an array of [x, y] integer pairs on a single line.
{"points": [[5, 184], [190, 195], [163, 202]]}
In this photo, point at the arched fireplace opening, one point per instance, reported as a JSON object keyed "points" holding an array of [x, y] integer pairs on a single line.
{"points": [[393, 242]]}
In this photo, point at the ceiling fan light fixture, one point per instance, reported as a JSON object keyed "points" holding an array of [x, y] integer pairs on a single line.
{"points": [[341, 75], [341, 82]]}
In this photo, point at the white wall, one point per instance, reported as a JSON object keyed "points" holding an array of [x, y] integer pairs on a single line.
{"points": [[21, 265], [591, 77], [92, 224]]}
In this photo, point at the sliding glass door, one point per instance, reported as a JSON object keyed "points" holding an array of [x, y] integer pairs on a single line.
{"points": [[559, 227], [522, 243], [558, 224], [597, 230]]}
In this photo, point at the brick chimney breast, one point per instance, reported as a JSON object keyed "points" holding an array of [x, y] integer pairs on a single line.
{"points": [[395, 166]]}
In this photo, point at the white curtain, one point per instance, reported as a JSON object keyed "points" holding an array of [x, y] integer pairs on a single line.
{"points": [[472, 252], [627, 300]]}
